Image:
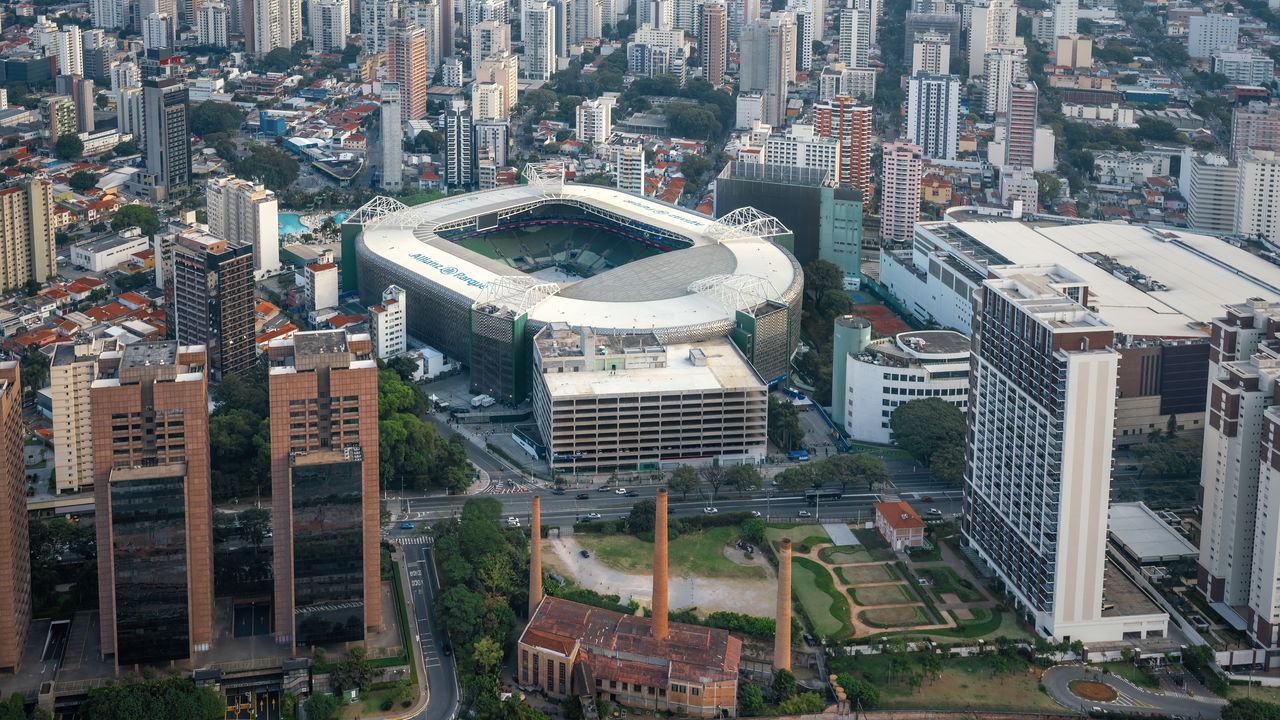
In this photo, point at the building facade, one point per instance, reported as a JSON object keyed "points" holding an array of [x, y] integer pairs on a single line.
{"points": [[72, 370], [902, 168], [933, 114], [407, 67], [246, 213], [15, 557], [885, 374], [213, 300], [26, 237], [387, 327]]}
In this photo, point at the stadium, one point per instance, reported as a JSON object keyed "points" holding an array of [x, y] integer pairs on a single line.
{"points": [[486, 270]]}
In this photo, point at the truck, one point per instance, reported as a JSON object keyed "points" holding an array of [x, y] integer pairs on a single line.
{"points": [[799, 455], [479, 401]]}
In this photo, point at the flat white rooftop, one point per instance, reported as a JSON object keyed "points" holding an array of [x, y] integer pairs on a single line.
{"points": [[725, 369], [1145, 536]]}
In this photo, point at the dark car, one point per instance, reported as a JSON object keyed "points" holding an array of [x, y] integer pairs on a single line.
{"points": [[557, 491], [603, 488], [447, 649], [584, 553], [632, 493], [583, 496]]}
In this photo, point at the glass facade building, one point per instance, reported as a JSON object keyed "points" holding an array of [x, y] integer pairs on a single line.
{"points": [[328, 566]]}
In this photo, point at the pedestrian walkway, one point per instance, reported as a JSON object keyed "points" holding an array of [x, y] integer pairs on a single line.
{"points": [[416, 540], [840, 533]]}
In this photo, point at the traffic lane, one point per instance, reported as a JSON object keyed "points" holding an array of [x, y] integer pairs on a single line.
{"points": [[441, 675], [1129, 699]]}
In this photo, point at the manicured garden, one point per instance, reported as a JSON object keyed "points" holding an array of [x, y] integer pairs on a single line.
{"points": [[891, 617], [843, 555], [866, 574], [880, 595], [944, 580], [823, 604]]}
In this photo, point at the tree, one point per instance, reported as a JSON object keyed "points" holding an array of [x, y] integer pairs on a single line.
{"points": [[127, 148], [713, 475], [796, 478], [750, 700], [1049, 187], [82, 181], [173, 698], [1250, 709], [142, 217], [487, 654], [928, 426], [641, 519], [321, 706], [784, 426], [274, 168], [278, 60], [784, 685], [744, 478], [210, 117], [34, 369], [821, 276], [753, 530], [68, 146], [854, 470], [694, 166], [1171, 457], [682, 480], [862, 694]]}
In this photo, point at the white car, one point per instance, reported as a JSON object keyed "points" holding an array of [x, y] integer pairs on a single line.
{"points": [[804, 513], [620, 491], [755, 513], [933, 511], [593, 516], [513, 521], [710, 510]]}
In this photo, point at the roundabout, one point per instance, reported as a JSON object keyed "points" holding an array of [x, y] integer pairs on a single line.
{"points": [[1092, 691], [1084, 689]]}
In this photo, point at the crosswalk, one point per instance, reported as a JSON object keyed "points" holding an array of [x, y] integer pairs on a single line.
{"points": [[415, 540], [508, 490], [1126, 699]]}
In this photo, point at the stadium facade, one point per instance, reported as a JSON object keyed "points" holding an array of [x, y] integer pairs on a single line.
{"points": [[481, 281]]}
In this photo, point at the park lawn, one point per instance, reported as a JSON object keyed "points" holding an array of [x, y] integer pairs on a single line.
{"points": [[875, 545], [843, 555], [879, 595], [1130, 672], [866, 574], [1257, 692], [370, 704], [894, 616], [827, 608], [945, 580], [800, 535], [700, 554], [964, 684]]}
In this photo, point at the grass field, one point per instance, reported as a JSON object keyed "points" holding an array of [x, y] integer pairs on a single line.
{"points": [[799, 534], [964, 684], [894, 616], [827, 609], [945, 580], [843, 554], [866, 574], [698, 554], [879, 595], [875, 545], [1131, 672]]}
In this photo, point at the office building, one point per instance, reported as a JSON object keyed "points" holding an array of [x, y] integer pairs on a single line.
{"points": [[1244, 67], [166, 149], [713, 42], [579, 374], [26, 233], [505, 71], [1044, 377], [1256, 125], [767, 52], [1257, 185], [1207, 34], [323, 390], [994, 25], [15, 557], [72, 370], [1019, 122], [631, 170], [213, 300], [329, 23], [387, 326], [933, 114], [1073, 51], [153, 503], [594, 120], [391, 135], [931, 54], [1209, 184], [900, 191], [459, 167], [538, 35], [98, 53], [246, 213], [490, 39], [1005, 67], [848, 121], [407, 67], [889, 372]]}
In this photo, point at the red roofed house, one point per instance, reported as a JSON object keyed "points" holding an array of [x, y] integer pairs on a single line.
{"points": [[900, 525]]}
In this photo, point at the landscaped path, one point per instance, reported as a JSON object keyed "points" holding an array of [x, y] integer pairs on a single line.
{"points": [[1130, 698]]}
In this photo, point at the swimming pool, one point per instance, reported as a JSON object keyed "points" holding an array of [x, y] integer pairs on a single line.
{"points": [[291, 224]]}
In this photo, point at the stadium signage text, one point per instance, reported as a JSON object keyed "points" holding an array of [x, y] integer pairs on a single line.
{"points": [[448, 270]]}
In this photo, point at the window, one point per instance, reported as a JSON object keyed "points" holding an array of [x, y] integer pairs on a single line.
{"points": [[694, 691]]}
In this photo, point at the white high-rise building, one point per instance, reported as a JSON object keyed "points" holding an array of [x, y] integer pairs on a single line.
{"points": [[631, 169], [129, 111], [67, 45], [158, 31], [276, 24], [931, 54], [124, 75], [246, 213], [426, 15], [459, 155], [1257, 190], [503, 70], [538, 34], [213, 23], [853, 52], [392, 138], [994, 25], [767, 52], [586, 20], [494, 138], [329, 23], [595, 120], [806, 23], [1209, 33], [72, 370], [741, 12], [490, 38], [933, 114], [108, 14], [488, 101], [376, 17], [1066, 14], [389, 330], [1005, 67], [1208, 182]]}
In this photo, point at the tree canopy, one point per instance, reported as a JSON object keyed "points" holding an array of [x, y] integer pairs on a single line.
{"points": [[274, 168], [211, 117], [68, 146], [82, 180], [932, 430], [176, 698], [141, 216], [412, 452], [1250, 709]]}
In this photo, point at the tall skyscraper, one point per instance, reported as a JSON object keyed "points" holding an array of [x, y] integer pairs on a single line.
{"points": [[15, 558], [323, 389], [806, 25], [933, 114], [407, 67], [108, 14], [276, 24], [900, 191], [213, 300], [459, 155], [154, 505], [538, 35], [129, 111], [426, 15], [994, 24], [1066, 14], [1257, 184], [1019, 123], [97, 53], [1215, 31], [167, 138], [851, 52], [80, 90], [844, 119], [767, 53], [1043, 390], [376, 17], [1256, 125], [158, 31], [1005, 67], [329, 22], [213, 22], [741, 13], [585, 20], [392, 138], [125, 75], [713, 43], [72, 370], [488, 101], [246, 213], [931, 54], [26, 233]]}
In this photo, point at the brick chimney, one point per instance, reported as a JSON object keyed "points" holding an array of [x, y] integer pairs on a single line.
{"points": [[535, 555], [660, 566], [782, 634]]}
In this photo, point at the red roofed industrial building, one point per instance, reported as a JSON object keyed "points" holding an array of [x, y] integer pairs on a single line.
{"points": [[900, 525]]}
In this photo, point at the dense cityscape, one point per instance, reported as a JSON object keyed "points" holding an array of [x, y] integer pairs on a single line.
{"points": [[583, 359]]}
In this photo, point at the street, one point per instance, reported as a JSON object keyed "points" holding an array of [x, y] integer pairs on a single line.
{"points": [[442, 703]]}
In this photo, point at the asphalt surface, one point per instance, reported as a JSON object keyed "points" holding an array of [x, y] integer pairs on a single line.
{"points": [[1130, 698], [442, 684]]}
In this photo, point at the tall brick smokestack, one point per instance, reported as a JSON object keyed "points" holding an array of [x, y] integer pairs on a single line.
{"points": [[782, 634], [535, 555], [660, 566]]}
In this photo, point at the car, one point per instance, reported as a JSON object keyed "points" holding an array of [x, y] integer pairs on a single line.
{"points": [[406, 526], [558, 491], [583, 496], [603, 488], [810, 639], [710, 510], [933, 511], [632, 493], [513, 521], [447, 649], [593, 516], [804, 513], [926, 498], [620, 491], [755, 513], [584, 553]]}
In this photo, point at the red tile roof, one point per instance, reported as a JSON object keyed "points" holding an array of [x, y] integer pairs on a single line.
{"points": [[899, 515]]}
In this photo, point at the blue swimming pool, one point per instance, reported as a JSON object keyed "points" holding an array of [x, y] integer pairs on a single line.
{"points": [[291, 224]]}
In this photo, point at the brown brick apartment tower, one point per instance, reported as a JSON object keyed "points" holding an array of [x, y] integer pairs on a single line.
{"points": [[324, 474], [659, 602], [535, 555], [15, 563], [154, 504], [782, 622]]}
